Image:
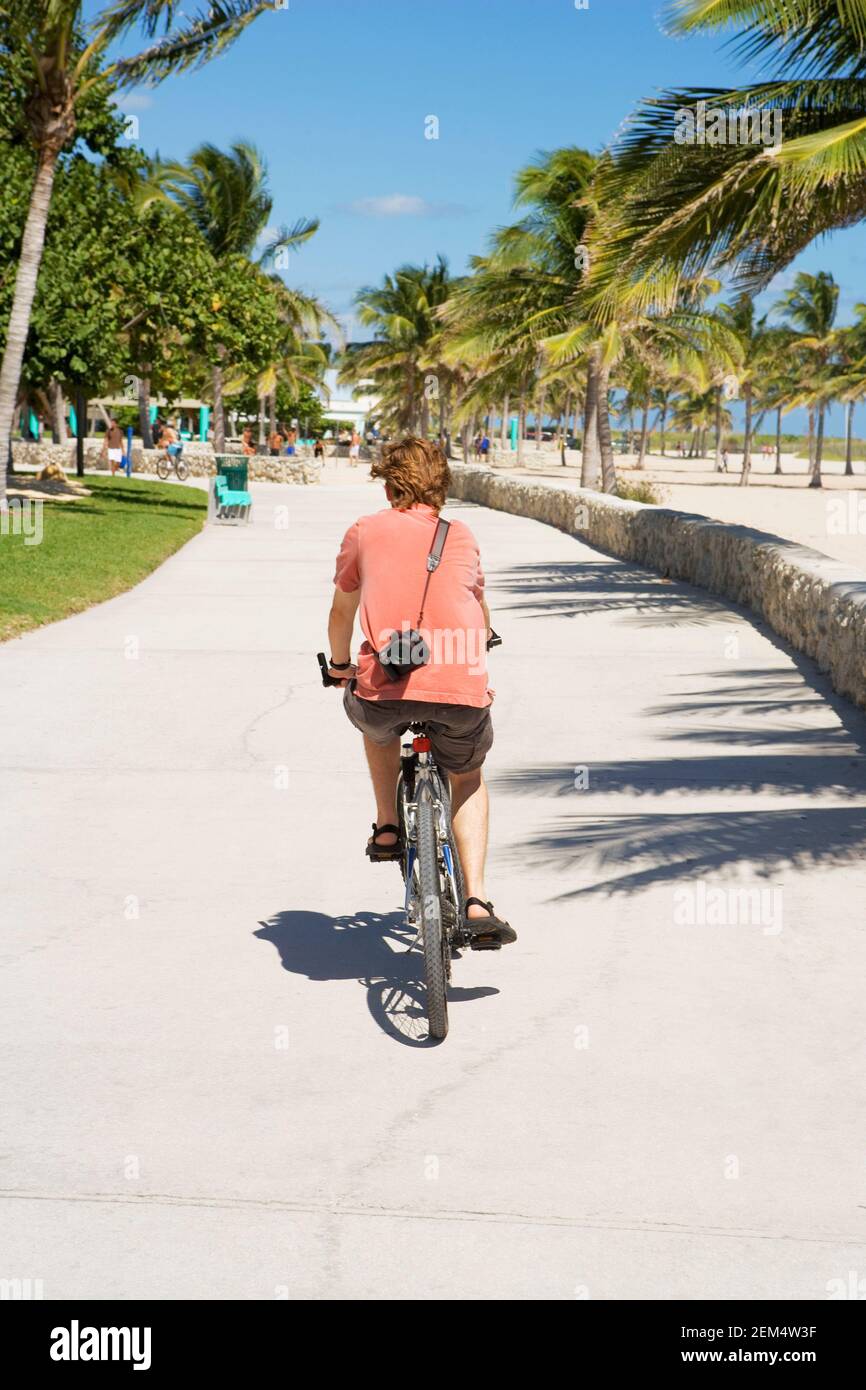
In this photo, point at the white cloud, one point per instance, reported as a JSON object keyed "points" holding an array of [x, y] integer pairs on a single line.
{"points": [[401, 205], [391, 205], [135, 101]]}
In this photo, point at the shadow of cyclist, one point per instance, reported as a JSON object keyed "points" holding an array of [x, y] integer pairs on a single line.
{"points": [[373, 948]]}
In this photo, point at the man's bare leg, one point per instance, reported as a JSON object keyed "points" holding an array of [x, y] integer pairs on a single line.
{"points": [[383, 761], [469, 816]]}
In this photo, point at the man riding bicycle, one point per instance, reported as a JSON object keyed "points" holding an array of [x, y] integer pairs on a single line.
{"points": [[381, 571]]}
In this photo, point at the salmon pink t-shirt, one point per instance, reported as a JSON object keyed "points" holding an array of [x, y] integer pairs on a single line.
{"points": [[385, 556]]}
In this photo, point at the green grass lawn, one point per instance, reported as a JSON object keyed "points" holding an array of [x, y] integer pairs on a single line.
{"points": [[93, 549]]}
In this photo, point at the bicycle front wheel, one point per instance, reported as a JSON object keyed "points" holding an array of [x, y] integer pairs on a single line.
{"points": [[432, 929]]}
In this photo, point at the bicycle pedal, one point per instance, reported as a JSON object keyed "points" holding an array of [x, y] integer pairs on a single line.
{"points": [[480, 943]]}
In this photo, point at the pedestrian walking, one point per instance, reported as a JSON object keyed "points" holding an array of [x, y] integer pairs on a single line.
{"points": [[112, 446]]}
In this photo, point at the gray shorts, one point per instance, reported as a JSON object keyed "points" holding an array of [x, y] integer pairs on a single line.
{"points": [[460, 735]]}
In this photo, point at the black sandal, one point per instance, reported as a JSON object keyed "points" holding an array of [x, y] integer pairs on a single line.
{"points": [[384, 854], [488, 933]]}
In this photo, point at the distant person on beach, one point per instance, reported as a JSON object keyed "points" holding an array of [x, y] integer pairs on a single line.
{"points": [[275, 444], [247, 445], [724, 464], [319, 450], [113, 446], [485, 448], [355, 449]]}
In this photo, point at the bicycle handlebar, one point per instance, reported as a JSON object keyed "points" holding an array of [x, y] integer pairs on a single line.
{"points": [[494, 640], [323, 667]]}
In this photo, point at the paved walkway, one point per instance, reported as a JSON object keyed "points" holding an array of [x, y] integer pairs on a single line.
{"points": [[214, 1076]]}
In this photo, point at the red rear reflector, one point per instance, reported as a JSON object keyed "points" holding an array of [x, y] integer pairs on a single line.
{"points": [[421, 744]]}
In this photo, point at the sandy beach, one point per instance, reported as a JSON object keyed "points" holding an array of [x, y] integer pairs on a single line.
{"points": [[824, 518]]}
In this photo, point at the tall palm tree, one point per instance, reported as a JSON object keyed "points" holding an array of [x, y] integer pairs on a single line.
{"points": [[402, 314], [753, 337], [225, 195], [810, 310], [59, 59], [851, 358], [744, 203]]}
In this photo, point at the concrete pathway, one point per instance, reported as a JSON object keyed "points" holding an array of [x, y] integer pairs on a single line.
{"points": [[215, 1081]]}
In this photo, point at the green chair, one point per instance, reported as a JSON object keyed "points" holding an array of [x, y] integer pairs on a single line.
{"points": [[231, 502]]}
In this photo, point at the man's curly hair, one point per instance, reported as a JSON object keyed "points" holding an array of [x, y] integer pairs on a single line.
{"points": [[415, 470]]}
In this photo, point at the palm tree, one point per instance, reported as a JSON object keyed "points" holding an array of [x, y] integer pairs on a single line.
{"points": [[745, 204], [524, 294], [402, 314], [810, 310], [850, 357], [225, 195], [59, 61], [756, 348]]}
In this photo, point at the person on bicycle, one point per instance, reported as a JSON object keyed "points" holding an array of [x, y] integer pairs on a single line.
{"points": [[168, 442], [381, 570]]}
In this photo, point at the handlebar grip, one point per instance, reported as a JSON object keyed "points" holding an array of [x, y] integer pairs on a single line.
{"points": [[494, 640], [323, 667]]}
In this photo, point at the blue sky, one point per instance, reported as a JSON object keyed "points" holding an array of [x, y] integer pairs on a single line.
{"points": [[335, 93]]}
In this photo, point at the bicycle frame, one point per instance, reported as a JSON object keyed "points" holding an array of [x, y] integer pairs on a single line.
{"points": [[425, 775]]}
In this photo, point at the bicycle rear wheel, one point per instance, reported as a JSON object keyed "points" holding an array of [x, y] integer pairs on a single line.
{"points": [[162, 469], [432, 929], [182, 470], [455, 884]]}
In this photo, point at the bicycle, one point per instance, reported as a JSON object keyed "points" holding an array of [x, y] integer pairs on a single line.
{"points": [[435, 895], [172, 458]]}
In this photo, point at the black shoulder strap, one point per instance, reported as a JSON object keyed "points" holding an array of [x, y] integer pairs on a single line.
{"points": [[433, 559]]}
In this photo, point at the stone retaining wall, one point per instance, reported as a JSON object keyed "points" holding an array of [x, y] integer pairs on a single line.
{"points": [[198, 457], [816, 603]]}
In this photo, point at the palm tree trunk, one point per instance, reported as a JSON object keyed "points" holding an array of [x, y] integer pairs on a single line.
{"points": [[811, 439], [644, 431], [663, 415], [747, 437], [58, 412], [717, 465], [219, 411], [29, 261], [849, 440], [815, 475], [521, 426], [778, 467], [503, 432], [272, 408], [144, 410], [464, 440], [590, 472], [444, 410], [608, 467], [539, 417], [425, 418]]}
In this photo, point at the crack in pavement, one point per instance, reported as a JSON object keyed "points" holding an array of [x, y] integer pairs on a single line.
{"points": [[635, 1225]]}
